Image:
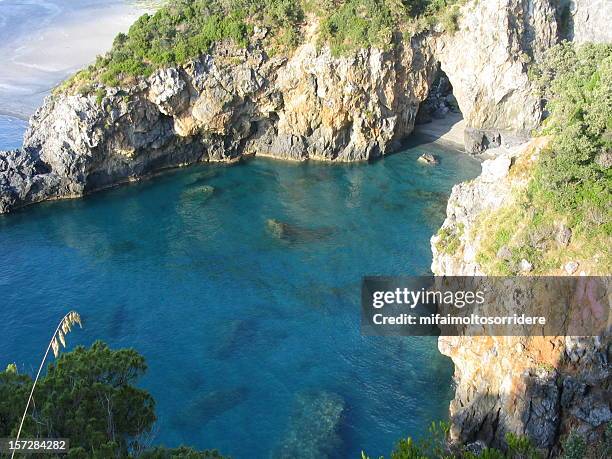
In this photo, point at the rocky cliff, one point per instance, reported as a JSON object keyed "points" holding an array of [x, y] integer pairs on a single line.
{"points": [[584, 21], [230, 103], [541, 387], [305, 105]]}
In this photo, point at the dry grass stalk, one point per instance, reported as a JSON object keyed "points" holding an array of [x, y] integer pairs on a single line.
{"points": [[59, 336]]}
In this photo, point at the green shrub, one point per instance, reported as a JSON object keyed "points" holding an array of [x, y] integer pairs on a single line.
{"points": [[435, 446], [574, 447], [182, 452], [520, 446], [576, 84], [359, 24], [184, 29], [100, 93], [450, 239]]}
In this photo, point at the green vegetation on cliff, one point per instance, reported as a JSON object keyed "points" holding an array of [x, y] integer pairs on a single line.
{"points": [[184, 29], [353, 24], [570, 188], [434, 445]]}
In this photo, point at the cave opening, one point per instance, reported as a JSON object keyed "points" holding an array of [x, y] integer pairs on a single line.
{"points": [[440, 102], [439, 114]]}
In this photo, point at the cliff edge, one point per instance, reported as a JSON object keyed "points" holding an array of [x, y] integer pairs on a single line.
{"points": [[540, 387]]}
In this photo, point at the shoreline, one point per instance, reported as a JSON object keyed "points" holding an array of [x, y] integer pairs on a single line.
{"points": [[44, 42], [415, 139]]}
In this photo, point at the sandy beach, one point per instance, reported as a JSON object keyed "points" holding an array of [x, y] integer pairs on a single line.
{"points": [[44, 41], [447, 130]]}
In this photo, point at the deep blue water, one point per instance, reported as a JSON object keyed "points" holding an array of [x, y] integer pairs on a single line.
{"points": [[236, 323]]}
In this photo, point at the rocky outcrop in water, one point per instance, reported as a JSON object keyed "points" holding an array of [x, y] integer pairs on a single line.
{"points": [[541, 387]]}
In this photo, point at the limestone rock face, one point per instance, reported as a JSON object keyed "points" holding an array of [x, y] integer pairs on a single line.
{"points": [[24, 178], [168, 91], [542, 387], [486, 62], [585, 20]]}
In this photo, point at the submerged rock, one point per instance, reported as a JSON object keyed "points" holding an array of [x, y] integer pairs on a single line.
{"points": [[313, 427], [204, 191], [195, 197], [296, 234]]}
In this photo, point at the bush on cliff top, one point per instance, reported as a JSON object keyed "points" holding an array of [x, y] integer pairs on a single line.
{"points": [[434, 445], [184, 29], [575, 175], [571, 184]]}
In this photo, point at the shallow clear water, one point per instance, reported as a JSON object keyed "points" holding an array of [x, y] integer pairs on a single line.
{"points": [[11, 132], [235, 322]]}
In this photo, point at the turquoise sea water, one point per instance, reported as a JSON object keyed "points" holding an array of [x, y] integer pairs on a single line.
{"points": [[239, 324]]}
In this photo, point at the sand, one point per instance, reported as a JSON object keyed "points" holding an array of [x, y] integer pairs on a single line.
{"points": [[44, 41], [447, 130]]}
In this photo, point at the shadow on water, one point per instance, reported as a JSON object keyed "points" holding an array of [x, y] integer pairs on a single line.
{"points": [[241, 336], [236, 335], [121, 248], [327, 298], [120, 322]]}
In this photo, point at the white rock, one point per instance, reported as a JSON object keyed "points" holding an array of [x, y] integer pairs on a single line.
{"points": [[495, 169], [168, 91], [571, 267], [428, 158], [525, 266]]}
